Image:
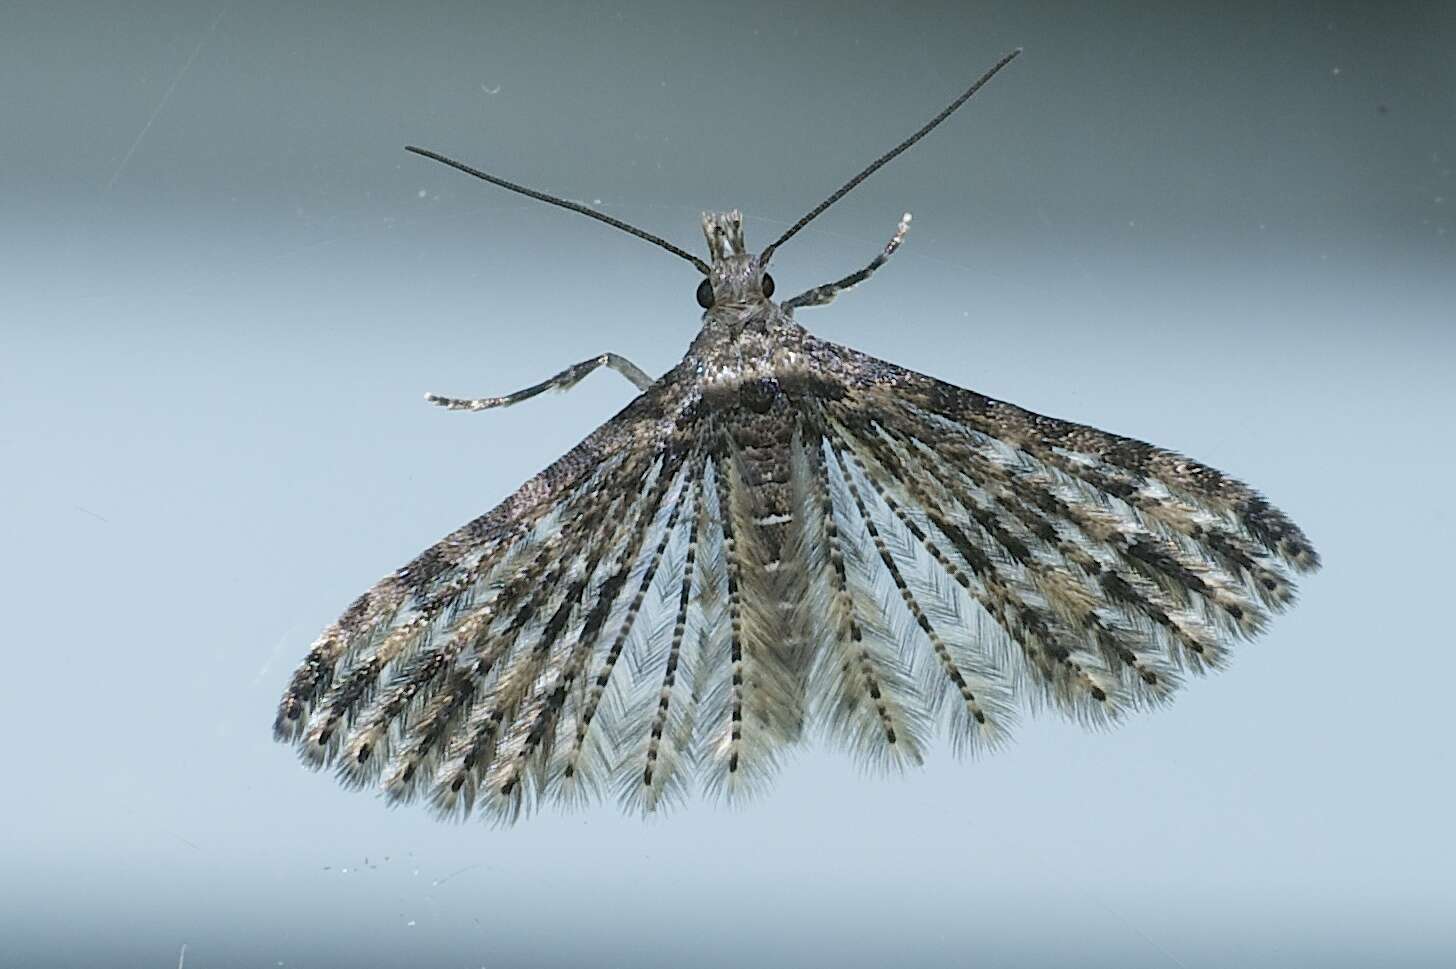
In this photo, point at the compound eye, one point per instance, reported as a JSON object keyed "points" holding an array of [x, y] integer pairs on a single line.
{"points": [[705, 294], [768, 285]]}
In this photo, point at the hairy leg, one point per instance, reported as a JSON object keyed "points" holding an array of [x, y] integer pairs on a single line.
{"points": [[565, 380]]}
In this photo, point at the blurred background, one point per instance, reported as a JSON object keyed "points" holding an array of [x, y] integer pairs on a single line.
{"points": [[224, 287]]}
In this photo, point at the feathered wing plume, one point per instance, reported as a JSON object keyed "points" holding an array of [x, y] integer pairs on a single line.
{"points": [[1108, 565], [837, 546]]}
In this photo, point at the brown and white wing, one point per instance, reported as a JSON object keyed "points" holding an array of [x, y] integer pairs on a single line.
{"points": [[483, 664], [845, 549], [1090, 570]]}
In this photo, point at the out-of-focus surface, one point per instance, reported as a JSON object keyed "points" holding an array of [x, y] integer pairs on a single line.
{"points": [[224, 288]]}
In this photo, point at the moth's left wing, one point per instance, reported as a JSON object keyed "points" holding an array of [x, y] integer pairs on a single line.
{"points": [[467, 670]]}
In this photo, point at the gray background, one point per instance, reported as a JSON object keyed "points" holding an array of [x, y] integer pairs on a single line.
{"points": [[224, 287]]}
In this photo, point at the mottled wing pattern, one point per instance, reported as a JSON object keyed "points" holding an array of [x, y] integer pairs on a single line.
{"points": [[1099, 568], [488, 657], [837, 546]]}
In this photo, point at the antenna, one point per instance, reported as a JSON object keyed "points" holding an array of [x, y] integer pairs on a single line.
{"points": [[563, 203], [884, 159]]}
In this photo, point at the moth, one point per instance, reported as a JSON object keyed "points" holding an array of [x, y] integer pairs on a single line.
{"points": [[780, 539]]}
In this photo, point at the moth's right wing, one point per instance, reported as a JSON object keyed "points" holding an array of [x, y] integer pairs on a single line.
{"points": [[1098, 568]]}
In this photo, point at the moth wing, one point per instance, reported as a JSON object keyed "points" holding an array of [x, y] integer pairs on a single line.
{"points": [[848, 548], [413, 678], [1095, 567]]}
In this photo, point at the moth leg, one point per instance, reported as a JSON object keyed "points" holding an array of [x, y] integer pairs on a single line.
{"points": [[565, 380], [820, 295]]}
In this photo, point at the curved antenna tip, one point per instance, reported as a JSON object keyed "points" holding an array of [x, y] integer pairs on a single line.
{"points": [[884, 159], [567, 204]]}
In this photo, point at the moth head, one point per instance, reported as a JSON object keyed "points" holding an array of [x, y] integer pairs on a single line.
{"points": [[736, 276]]}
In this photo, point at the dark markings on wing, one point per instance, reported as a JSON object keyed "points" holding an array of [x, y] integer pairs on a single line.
{"points": [[829, 544]]}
